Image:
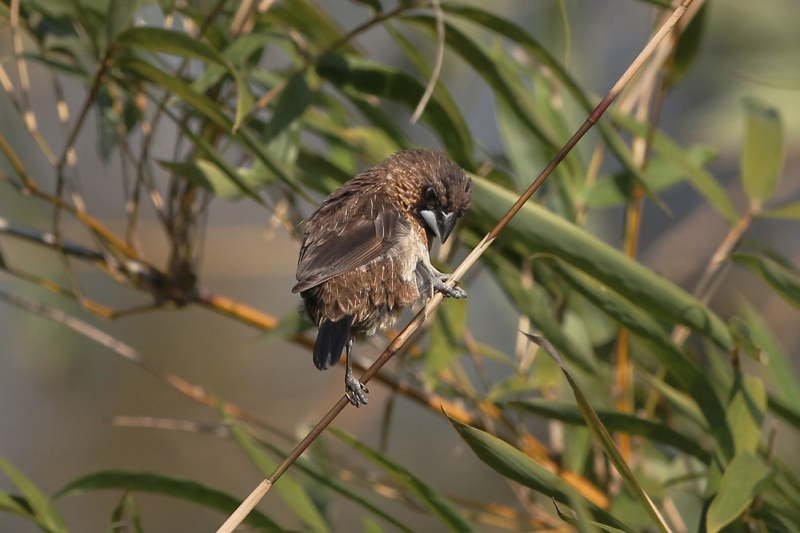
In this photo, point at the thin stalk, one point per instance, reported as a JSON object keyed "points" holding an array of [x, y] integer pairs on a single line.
{"points": [[250, 502]]}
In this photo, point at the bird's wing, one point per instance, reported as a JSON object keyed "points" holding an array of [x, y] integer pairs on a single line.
{"points": [[331, 253]]}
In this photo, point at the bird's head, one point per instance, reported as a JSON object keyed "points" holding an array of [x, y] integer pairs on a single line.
{"points": [[438, 189]]}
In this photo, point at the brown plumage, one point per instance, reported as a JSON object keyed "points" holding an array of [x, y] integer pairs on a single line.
{"points": [[365, 253]]}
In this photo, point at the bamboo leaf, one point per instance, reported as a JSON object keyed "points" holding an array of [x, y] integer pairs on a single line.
{"points": [[515, 465], [782, 371], [444, 510], [42, 510], [603, 437], [762, 155], [787, 211], [615, 421], [743, 480], [126, 517], [165, 486], [779, 278]]}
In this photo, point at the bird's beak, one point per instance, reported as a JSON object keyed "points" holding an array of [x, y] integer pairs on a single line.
{"points": [[441, 223]]}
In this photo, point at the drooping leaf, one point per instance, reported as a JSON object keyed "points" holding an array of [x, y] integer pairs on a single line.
{"points": [[166, 486], [688, 47], [743, 479], [603, 437], [515, 465], [438, 505], [780, 279], [762, 155], [783, 374]]}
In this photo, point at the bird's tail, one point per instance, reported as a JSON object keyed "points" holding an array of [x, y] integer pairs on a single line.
{"points": [[332, 337]]}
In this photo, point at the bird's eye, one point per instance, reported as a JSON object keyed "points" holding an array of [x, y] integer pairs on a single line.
{"points": [[430, 195]]}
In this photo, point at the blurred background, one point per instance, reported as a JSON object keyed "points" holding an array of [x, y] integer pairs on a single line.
{"points": [[59, 391]]}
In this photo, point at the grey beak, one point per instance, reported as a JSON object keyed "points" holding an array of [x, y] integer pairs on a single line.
{"points": [[441, 224]]}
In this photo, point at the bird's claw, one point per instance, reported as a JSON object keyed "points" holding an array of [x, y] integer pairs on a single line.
{"points": [[355, 391], [440, 285]]}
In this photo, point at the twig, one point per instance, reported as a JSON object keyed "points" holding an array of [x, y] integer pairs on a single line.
{"points": [[242, 511], [438, 65]]}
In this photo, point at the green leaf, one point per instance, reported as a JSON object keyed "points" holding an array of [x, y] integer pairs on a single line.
{"points": [[684, 403], [701, 179], [206, 175], [351, 73], [160, 40], [120, 16], [293, 102], [603, 437], [688, 46], [762, 155], [516, 466], [166, 486], [783, 281], [745, 412], [374, 4], [42, 510], [615, 421], [783, 409], [216, 158], [11, 503], [179, 88], [290, 490], [685, 371], [782, 371], [450, 515], [787, 211], [126, 517], [742, 481], [537, 229]]}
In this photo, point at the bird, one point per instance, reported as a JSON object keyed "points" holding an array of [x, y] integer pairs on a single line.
{"points": [[365, 253]]}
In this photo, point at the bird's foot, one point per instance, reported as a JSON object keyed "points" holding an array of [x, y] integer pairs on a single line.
{"points": [[440, 285], [355, 391]]}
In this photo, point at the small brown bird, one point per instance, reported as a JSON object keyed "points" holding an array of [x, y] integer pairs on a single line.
{"points": [[365, 253]]}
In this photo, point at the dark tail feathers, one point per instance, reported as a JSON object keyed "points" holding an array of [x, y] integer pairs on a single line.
{"points": [[331, 339]]}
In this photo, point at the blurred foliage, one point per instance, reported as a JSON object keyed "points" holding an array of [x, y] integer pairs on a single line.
{"points": [[274, 102]]}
